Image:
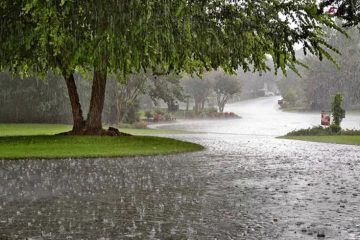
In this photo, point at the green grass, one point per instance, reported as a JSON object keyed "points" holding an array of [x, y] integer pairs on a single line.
{"points": [[339, 139], [14, 129], [24, 141], [51, 129]]}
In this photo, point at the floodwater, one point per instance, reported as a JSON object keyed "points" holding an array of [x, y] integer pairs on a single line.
{"points": [[261, 116], [246, 185]]}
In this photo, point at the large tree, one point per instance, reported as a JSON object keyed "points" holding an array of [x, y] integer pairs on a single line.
{"points": [[121, 37]]}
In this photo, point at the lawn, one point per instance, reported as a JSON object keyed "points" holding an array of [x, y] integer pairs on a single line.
{"points": [[14, 129], [19, 141], [339, 139]]}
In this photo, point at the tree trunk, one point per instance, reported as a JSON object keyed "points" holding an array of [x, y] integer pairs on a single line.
{"points": [[93, 122], [221, 107], [202, 104], [121, 111], [196, 107], [78, 119]]}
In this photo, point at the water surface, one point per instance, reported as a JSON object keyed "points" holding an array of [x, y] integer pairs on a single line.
{"points": [[246, 185]]}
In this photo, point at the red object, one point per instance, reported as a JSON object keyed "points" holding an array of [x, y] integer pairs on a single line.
{"points": [[325, 119], [157, 117]]}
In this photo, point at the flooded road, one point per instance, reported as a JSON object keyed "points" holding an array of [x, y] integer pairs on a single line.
{"points": [[261, 116], [246, 185]]}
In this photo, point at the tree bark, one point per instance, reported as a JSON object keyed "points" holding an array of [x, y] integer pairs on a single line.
{"points": [[196, 107], [78, 119], [93, 122], [202, 104]]}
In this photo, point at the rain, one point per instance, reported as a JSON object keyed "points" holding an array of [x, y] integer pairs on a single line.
{"points": [[179, 120]]}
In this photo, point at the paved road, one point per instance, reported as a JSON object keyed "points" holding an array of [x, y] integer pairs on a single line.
{"points": [[245, 185]]}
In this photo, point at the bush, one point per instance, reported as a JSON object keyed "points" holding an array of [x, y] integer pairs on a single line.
{"points": [[314, 131], [159, 111], [211, 110], [203, 115], [132, 114], [148, 114], [168, 117], [290, 96], [140, 125], [322, 131], [338, 112], [334, 128], [350, 132], [158, 117]]}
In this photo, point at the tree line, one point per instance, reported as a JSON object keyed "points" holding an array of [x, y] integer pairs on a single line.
{"points": [[34, 100], [323, 79]]}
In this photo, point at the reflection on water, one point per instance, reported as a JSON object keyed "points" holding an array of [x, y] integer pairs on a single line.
{"points": [[242, 186]]}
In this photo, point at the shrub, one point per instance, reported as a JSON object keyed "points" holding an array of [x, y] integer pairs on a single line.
{"points": [[159, 111], [168, 117], [350, 132], [157, 117], [290, 96], [148, 114], [203, 115], [338, 112], [314, 131], [334, 128], [211, 110], [140, 125], [132, 114]]}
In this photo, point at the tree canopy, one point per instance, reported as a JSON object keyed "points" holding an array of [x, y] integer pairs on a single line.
{"points": [[171, 35]]}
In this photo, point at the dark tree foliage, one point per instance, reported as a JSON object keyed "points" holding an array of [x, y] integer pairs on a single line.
{"points": [[338, 112], [224, 86], [348, 10], [31, 100], [199, 89], [321, 80], [166, 88]]}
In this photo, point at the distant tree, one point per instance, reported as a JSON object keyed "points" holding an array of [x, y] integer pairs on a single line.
{"points": [[323, 79], [338, 112], [254, 84], [128, 92], [167, 88], [225, 86], [199, 89]]}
